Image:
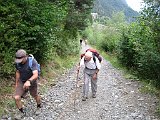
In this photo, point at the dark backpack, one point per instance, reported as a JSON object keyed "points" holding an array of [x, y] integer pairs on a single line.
{"points": [[95, 53]]}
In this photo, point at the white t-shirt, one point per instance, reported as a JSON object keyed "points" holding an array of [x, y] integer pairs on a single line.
{"points": [[90, 64]]}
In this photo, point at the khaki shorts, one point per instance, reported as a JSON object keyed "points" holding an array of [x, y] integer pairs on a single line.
{"points": [[32, 89]]}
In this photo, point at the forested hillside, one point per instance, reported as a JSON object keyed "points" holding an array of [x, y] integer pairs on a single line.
{"points": [[108, 7]]}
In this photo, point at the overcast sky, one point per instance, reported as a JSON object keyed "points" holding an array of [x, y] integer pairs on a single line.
{"points": [[135, 4]]}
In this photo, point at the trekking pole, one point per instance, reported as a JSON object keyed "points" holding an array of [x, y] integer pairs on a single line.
{"points": [[76, 89]]}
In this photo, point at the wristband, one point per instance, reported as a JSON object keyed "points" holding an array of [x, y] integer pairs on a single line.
{"points": [[29, 81]]}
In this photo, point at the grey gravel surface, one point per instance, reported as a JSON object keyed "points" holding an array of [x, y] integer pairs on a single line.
{"points": [[117, 99]]}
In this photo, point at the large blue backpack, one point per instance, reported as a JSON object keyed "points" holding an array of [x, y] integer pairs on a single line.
{"points": [[31, 58]]}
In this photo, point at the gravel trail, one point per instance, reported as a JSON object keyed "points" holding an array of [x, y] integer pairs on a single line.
{"points": [[117, 99]]}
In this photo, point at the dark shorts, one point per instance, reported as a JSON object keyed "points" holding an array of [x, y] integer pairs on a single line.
{"points": [[32, 89]]}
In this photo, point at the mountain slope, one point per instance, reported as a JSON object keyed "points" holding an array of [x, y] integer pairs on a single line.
{"points": [[107, 7]]}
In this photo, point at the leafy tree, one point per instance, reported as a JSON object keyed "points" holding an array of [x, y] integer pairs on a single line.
{"points": [[139, 48], [45, 28], [151, 16]]}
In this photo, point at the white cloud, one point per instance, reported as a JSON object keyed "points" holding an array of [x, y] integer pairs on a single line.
{"points": [[135, 4]]}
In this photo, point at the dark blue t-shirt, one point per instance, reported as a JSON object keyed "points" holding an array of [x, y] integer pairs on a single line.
{"points": [[25, 70]]}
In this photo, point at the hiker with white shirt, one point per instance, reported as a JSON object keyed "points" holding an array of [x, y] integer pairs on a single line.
{"points": [[91, 68]]}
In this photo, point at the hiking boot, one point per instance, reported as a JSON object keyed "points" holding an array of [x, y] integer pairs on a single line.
{"points": [[19, 115], [94, 96], [39, 105], [38, 111], [84, 98]]}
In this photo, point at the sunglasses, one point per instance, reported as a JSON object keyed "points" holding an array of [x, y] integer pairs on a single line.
{"points": [[19, 57]]}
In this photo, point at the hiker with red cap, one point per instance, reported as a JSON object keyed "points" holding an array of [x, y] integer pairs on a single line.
{"points": [[91, 68], [26, 79]]}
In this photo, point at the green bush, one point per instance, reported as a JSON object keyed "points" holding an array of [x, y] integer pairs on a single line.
{"points": [[126, 52], [104, 37], [111, 38], [44, 28], [138, 50], [27, 24]]}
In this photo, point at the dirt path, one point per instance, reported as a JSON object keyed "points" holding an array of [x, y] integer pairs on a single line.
{"points": [[117, 99]]}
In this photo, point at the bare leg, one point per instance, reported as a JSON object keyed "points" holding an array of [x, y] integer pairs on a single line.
{"points": [[18, 101], [38, 99]]}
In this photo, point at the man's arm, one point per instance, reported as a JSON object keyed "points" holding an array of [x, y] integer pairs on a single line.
{"points": [[17, 77], [97, 70], [98, 64], [34, 76], [34, 71]]}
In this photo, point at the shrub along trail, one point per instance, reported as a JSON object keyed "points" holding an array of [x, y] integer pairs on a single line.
{"points": [[117, 99]]}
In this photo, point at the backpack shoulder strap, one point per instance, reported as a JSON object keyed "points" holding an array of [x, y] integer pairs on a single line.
{"points": [[94, 58], [30, 62]]}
